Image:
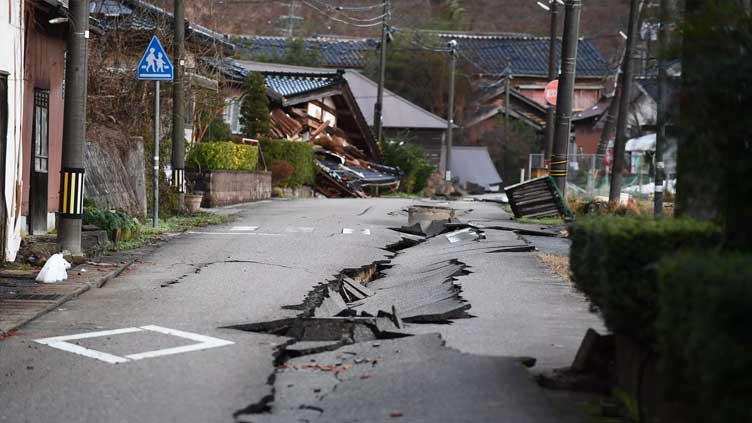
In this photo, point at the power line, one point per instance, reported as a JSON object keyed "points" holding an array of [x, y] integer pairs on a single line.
{"points": [[314, 7], [353, 18]]}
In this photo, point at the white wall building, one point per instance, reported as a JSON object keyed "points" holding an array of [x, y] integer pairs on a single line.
{"points": [[11, 100]]}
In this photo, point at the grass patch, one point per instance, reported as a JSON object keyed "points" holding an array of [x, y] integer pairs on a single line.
{"points": [[557, 264], [541, 220], [172, 224]]}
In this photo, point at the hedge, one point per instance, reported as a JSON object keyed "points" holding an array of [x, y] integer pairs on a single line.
{"points": [[119, 225], [298, 154], [614, 262], [223, 155], [705, 336]]}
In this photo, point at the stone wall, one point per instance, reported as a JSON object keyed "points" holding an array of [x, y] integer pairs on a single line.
{"points": [[226, 187], [115, 174]]}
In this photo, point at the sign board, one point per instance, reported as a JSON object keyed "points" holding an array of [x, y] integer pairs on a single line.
{"points": [[155, 65], [552, 91]]}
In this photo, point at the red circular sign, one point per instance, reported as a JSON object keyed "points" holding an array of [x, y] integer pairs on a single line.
{"points": [[552, 91]]}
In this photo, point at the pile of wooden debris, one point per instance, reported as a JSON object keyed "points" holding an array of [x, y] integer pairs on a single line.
{"points": [[344, 170]]}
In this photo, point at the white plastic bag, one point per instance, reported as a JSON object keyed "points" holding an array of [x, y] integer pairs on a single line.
{"points": [[54, 270]]}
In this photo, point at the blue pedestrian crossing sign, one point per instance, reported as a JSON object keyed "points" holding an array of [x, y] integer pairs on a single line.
{"points": [[155, 65]]}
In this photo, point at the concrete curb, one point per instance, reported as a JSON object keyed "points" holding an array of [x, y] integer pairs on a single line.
{"points": [[7, 327]]}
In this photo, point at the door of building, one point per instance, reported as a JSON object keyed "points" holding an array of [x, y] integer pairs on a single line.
{"points": [[39, 163], [3, 148]]}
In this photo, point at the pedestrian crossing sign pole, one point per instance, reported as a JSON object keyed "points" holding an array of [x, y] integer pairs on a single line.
{"points": [[155, 66]]}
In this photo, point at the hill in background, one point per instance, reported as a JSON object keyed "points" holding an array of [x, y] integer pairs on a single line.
{"points": [[601, 19]]}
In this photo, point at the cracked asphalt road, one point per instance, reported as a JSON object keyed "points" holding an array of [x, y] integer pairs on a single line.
{"points": [[247, 271]]}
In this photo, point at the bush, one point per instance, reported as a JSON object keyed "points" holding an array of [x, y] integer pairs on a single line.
{"points": [[704, 335], [297, 154], [222, 156], [281, 172], [118, 224], [411, 160], [614, 261]]}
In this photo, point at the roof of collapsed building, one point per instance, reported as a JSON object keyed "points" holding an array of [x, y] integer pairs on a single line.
{"points": [[399, 113]]}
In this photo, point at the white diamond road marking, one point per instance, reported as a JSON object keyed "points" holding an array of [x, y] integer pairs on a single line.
{"points": [[203, 342], [244, 228]]}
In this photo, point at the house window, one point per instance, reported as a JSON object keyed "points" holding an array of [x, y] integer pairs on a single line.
{"points": [[41, 130], [231, 114]]}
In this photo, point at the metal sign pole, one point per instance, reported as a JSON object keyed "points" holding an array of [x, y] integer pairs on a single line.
{"points": [[155, 184]]}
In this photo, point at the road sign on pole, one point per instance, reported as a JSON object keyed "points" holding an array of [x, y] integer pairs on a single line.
{"points": [[552, 91], [155, 65]]}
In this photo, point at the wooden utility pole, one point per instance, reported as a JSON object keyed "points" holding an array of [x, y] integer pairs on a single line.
{"points": [[552, 75], [378, 119], [74, 129], [564, 99], [178, 105], [626, 90]]}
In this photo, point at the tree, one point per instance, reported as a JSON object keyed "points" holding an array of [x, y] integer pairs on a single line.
{"points": [[254, 108], [715, 152]]}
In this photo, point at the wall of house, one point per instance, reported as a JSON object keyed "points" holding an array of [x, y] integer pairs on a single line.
{"points": [[11, 65], [45, 63], [588, 135], [428, 139]]}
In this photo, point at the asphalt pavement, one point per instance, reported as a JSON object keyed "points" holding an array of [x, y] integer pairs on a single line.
{"points": [[154, 344]]}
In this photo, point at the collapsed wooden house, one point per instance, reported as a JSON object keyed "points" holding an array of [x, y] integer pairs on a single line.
{"points": [[320, 108]]}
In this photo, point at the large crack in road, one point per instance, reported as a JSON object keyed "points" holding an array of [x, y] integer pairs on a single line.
{"points": [[360, 309]]}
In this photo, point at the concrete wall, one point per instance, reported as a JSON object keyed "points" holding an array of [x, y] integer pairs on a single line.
{"points": [[226, 187], [11, 65]]}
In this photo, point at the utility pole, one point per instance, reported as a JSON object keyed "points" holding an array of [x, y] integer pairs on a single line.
{"points": [[178, 106], [552, 74], [564, 98], [74, 129], [621, 120], [378, 120], [662, 118], [507, 100], [450, 115]]}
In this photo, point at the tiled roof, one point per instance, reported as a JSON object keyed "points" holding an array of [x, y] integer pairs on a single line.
{"points": [[138, 15], [291, 84], [526, 55], [335, 52]]}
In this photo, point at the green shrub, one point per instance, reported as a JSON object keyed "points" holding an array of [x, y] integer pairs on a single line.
{"points": [[412, 161], [614, 259], [298, 154], [118, 224], [704, 335], [223, 155]]}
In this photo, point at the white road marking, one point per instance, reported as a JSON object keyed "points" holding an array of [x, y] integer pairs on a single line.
{"points": [[366, 232], [347, 231], [232, 233], [244, 228], [306, 230], [204, 342], [61, 343]]}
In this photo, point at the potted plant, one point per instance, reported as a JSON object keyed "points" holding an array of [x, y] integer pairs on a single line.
{"points": [[193, 197]]}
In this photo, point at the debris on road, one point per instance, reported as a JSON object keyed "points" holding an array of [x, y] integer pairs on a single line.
{"points": [[539, 197]]}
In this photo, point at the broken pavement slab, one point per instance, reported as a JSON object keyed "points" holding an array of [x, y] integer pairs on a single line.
{"points": [[468, 388]]}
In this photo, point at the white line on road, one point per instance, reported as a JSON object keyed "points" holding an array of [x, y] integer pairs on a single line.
{"points": [[366, 232], [244, 228], [303, 229], [61, 343], [233, 233], [347, 231]]}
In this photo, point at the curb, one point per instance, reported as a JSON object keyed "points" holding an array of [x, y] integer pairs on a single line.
{"points": [[97, 282]]}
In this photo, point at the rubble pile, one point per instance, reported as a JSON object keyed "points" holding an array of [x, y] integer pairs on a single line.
{"points": [[343, 169]]}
